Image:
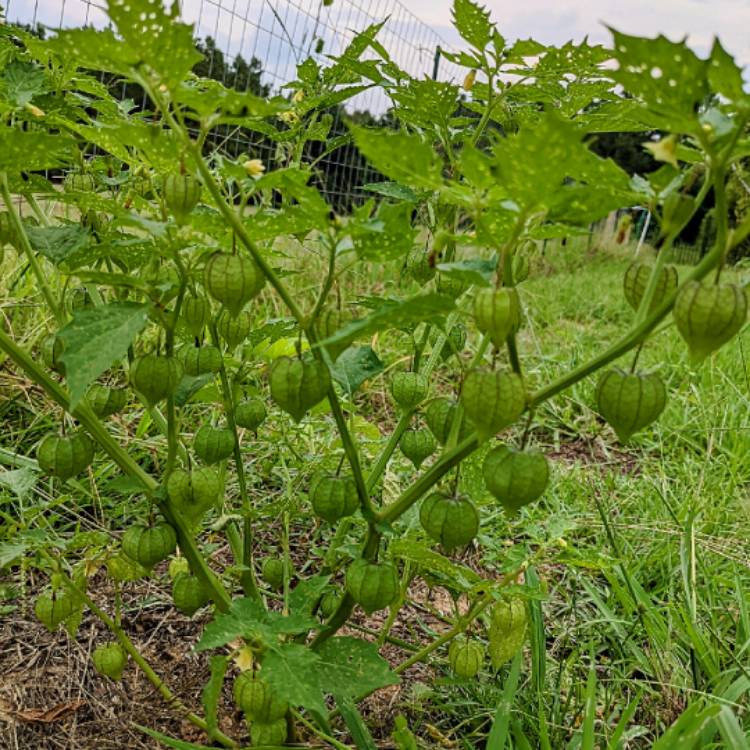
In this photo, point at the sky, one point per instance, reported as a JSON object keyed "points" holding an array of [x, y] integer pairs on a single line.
{"points": [[557, 21], [253, 28]]}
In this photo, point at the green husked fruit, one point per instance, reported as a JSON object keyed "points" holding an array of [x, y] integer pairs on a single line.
{"points": [[155, 377], [419, 265], [298, 384], [189, 593], [257, 700], [636, 280], [272, 572], [417, 445], [334, 497], [492, 400], [708, 315], [521, 267], [516, 478], [105, 401], [630, 401], [268, 734], [372, 585], [452, 521], [193, 493], [176, 566], [497, 313], [451, 286], [200, 360], [213, 444], [409, 389], [65, 456], [330, 602], [110, 660], [234, 329], [507, 630], [181, 193], [148, 545], [122, 568], [51, 350], [250, 413], [439, 416], [466, 657], [195, 312], [232, 280], [79, 182], [331, 321], [454, 343], [54, 607]]}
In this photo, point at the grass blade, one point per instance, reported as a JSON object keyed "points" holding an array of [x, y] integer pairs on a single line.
{"points": [[356, 724], [498, 736]]}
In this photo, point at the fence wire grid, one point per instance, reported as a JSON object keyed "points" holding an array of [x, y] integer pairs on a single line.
{"points": [[280, 34]]}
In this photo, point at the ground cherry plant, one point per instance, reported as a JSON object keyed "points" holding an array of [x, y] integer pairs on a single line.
{"points": [[178, 285]]}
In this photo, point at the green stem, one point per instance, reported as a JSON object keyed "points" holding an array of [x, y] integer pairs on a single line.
{"points": [[23, 238], [628, 341], [122, 458], [235, 223], [169, 697], [247, 577], [446, 462]]}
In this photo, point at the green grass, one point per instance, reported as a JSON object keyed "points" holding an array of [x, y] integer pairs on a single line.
{"points": [[645, 610], [641, 612]]}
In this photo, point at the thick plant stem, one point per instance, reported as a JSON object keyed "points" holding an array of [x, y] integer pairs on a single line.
{"points": [[122, 458], [23, 238], [169, 697], [447, 461]]}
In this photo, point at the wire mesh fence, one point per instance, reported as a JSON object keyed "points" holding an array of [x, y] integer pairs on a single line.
{"points": [[257, 44]]}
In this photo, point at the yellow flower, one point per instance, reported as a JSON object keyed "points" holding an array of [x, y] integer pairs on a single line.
{"points": [[664, 150], [254, 168], [299, 95], [469, 80], [289, 117]]}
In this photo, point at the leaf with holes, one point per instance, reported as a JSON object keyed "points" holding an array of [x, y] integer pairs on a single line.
{"points": [[472, 22], [352, 667], [157, 36]]}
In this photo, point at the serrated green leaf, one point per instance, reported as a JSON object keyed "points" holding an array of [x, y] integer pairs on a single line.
{"points": [[477, 271], [388, 234], [19, 481], [459, 577], [356, 365], [725, 76], [395, 314], [95, 339], [292, 671], [351, 667], [248, 619], [10, 552], [58, 243], [391, 189], [158, 37], [668, 77], [306, 594], [21, 82], [472, 22], [30, 150], [406, 158]]}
